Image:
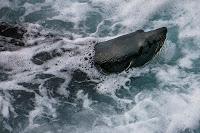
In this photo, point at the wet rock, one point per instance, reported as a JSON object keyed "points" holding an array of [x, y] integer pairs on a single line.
{"points": [[3, 76], [41, 58], [43, 76], [7, 44], [11, 37], [44, 56], [15, 32]]}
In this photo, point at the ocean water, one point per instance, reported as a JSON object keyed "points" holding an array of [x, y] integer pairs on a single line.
{"points": [[66, 94]]}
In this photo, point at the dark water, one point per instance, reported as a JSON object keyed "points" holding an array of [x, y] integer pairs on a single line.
{"points": [[64, 94]]}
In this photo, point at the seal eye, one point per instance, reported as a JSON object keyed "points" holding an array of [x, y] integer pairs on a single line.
{"points": [[150, 44]]}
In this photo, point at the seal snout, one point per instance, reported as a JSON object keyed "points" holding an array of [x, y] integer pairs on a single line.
{"points": [[157, 33], [163, 30], [160, 31]]}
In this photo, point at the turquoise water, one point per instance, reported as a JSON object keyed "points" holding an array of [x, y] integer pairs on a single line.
{"points": [[66, 95]]}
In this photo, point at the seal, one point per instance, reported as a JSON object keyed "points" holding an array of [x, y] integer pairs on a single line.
{"points": [[112, 56], [130, 50]]}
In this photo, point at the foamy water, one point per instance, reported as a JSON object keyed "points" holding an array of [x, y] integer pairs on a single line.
{"points": [[66, 94]]}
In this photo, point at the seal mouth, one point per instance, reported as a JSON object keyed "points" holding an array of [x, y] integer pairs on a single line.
{"points": [[160, 43]]}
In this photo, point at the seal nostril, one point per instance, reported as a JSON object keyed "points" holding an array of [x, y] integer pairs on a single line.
{"points": [[150, 44], [164, 30]]}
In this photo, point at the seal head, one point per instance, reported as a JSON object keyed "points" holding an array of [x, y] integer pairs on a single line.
{"points": [[130, 50]]}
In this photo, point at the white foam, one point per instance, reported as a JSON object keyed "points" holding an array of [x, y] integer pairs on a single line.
{"points": [[71, 11], [5, 106], [171, 106], [188, 58], [4, 3], [168, 51], [84, 97], [187, 17]]}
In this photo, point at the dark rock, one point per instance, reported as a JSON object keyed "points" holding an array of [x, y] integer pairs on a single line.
{"points": [[11, 37], [3, 76], [44, 56], [41, 58], [43, 76], [15, 32], [7, 44]]}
